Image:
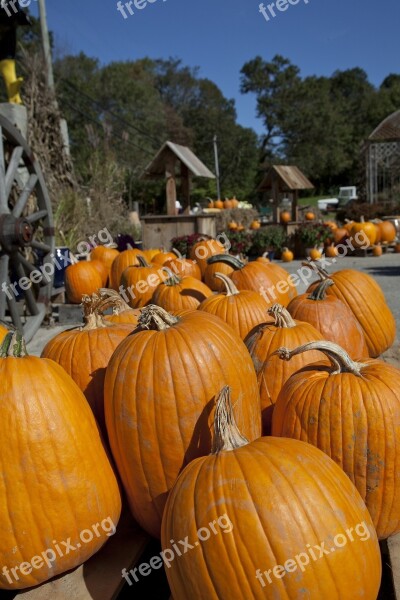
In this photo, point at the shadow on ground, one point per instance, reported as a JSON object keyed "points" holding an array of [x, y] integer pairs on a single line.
{"points": [[384, 271]]}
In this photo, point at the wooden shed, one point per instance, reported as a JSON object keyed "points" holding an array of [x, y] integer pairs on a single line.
{"points": [[283, 180], [173, 161]]}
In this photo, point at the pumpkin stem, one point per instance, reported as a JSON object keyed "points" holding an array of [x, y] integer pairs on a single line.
{"points": [[13, 345], [142, 261], [282, 317], [111, 299], [320, 271], [231, 289], [232, 261], [341, 361], [178, 254], [226, 432], [172, 278], [92, 307], [319, 293], [156, 318]]}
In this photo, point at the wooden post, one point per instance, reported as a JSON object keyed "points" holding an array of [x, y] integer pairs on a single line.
{"points": [[170, 185], [275, 196], [185, 187], [294, 205]]}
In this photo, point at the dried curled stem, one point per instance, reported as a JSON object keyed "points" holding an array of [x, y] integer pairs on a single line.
{"points": [[156, 318], [281, 316], [226, 432]]}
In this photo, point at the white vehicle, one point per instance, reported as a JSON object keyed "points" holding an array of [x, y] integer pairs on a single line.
{"points": [[346, 194]]}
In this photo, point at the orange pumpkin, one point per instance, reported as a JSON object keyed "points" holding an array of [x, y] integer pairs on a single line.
{"points": [[340, 235], [240, 227], [397, 248], [81, 278], [272, 373], [215, 284], [202, 251], [270, 280], [242, 310], [269, 504], [263, 259], [183, 266], [162, 257], [287, 255], [218, 204], [227, 203], [377, 250], [124, 260], [211, 204], [141, 282], [378, 233], [348, 410], [285, 217], [180, 293], [151, 253], [332, 318], [255, 225], [3, 332], [102, 270], [331, 224], [232, 225], [315, 254], [160, 388], [56, 481], [84, 352], [309, 216], [388, 231], [368, 231], [104, 254], [331, 251], [365, 298], [235, 202]]}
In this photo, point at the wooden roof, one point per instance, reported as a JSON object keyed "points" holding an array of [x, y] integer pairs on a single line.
{"points": [[388, 129], [289, 179], [157, 166]]}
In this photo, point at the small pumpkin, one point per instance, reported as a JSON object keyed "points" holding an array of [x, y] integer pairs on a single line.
{"points": [[255, 509], [315, 254], [232, 225], [332, 318], [56, 479], [242, 310], [180, 293], [331, 224], [218, 204], [270, 280], [340, 235], [160, 388], [255, 224], [349, 410], [397, 248], [84, 352], [240, 227], [272, 373], [377, 250], [263, 259], [285, 217], [81, 278], [331, 251], [227, 204], [124, 260], [235, 202], [309, 216], [388, 231], [287, 255]]}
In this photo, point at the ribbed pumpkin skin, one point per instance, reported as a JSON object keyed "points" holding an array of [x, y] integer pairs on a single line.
{"points": [[159, 398], [203, 250], [124, 260], [188, 294], [279, 496], [184, 267], [127, 317], [213, 283], [162, 257], [137, 280], [80, 279], [243, 311], [105, 255], [365, 298], [56, 480], [334, 320], [272, 372], [102, 270], [356, 421], [260, 276], [85, 355]]}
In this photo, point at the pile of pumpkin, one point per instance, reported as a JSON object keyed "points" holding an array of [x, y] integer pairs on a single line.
{"points": [[376, 235], [182, 390]]}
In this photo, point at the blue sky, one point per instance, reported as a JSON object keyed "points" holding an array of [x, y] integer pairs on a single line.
{"points": [[219, 36]]}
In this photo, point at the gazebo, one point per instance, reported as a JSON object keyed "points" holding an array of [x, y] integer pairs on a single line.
{"points": [[173, 161], [284, 181], [382, 157]]}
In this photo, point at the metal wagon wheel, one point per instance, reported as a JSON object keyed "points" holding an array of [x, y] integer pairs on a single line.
{"points": [[26, 234]]}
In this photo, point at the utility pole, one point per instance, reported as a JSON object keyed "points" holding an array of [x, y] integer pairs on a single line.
{"points": [[217, 167], [46, 44]]}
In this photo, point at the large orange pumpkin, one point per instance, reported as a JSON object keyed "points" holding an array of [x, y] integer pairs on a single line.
{"points": [[202, 251], [350, 411], [3, 332], [180, 293], [183, 266], [367, 228], [162, 257], [104, 254], [160, 388], [81, 278], [272, 373], [59, 497], [332, 318], [365, 298], [124, 260], [271, 519], [388, 231], [242, 310], [214, 283], [84, 352], [340, 235], [270, 280], [102, 270]]}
